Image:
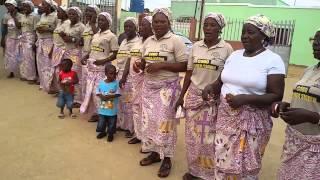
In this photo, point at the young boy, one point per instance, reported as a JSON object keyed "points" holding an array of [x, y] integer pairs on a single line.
{"points": [[67, 80], [108, 92]]}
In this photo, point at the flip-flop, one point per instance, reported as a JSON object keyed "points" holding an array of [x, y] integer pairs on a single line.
{"points": [[61, 116], [73, 116]]}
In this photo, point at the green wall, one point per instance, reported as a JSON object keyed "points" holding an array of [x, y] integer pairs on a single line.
{"points": [[123, 16], [306, 23]]}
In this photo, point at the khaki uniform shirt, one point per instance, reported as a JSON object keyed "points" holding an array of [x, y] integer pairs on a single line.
{"points": [[87, 38], [170, 49], [135, 54], [29, 23], [57, 40], [75, 31], [207, 64], [102, 44], [306, 95], [49, 21], [124, 52], [13, 31]]}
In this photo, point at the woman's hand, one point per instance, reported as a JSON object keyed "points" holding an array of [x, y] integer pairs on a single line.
{"points": [[294, 116], [154, 67], [99, 62], [208, 92], [84, 60], [180, 102], [236, 101], [278, 107], [122, 82]]}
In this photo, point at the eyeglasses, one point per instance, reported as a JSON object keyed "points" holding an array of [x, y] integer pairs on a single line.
{"points": [[313, 40]]}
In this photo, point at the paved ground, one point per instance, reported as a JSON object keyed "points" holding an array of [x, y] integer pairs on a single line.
{"points": [[35, 144]]}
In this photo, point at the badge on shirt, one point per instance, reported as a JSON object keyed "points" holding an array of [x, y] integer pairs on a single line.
{"points": [[155, 56]]}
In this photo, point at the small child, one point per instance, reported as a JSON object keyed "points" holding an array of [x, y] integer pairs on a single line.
{"points": [[108, 92], [67, 80]]}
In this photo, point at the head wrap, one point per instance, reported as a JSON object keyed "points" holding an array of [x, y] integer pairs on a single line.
{"points": [[29, 3], [217, 17], [52, 3], [133, 20], [148, 18], [64, 8], [263, 24], [164, 11], [77, 9], [12, 2], [96, 8], [108, 17]]}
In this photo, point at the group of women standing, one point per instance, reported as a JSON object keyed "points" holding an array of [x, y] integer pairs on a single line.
{"points": [[228, 95]]}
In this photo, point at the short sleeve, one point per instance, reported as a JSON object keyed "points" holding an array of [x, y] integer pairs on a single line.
{"points": [[114, 46], [180, 50], [276, 66], [190, 65]]}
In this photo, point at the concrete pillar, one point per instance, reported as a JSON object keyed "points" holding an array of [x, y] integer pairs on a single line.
{"points": [[193, 29]]}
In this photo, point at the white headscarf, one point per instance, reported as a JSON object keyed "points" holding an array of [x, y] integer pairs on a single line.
{"points": [[64, 8], [12, 2], [96, 8], [263, 24], [108, 17], [148, 18], [52, 3], [217, 17], [133, 20], [29, 3], [164, 11], [77, 9]]}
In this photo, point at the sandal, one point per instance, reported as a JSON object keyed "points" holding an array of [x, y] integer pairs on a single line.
{"points": [[61, 116], [152, 158], [76, 105], [165, 168], [134, 140], [188, 176], [128, 134], [94, 118], [144, 152], [73, 116]]}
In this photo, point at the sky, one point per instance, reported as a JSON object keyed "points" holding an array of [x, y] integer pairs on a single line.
{"points": [[151, 4]]}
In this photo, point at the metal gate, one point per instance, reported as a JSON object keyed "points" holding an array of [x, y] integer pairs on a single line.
{"points": [[282, 42], [109, 6]]}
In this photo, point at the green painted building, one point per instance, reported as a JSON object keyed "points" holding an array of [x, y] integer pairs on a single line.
{"points": [[305, 22]]}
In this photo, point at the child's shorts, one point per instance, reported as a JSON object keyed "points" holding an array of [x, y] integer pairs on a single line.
{"points": [[65, 99]]}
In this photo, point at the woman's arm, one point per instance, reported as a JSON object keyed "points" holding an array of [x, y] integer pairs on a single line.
{"points": [[274, 93]]}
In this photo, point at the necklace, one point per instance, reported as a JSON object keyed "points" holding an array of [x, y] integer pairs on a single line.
{"points": [[254, 53]]}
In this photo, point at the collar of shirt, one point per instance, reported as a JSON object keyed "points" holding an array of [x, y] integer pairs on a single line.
{"points": [[51, 14], [105, 32], [166, 36], [135, 39], [221, 44]]}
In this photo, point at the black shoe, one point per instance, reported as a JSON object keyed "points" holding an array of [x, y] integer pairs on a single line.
{"points": [[110, 138], [134, 141], [101, 135]]}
